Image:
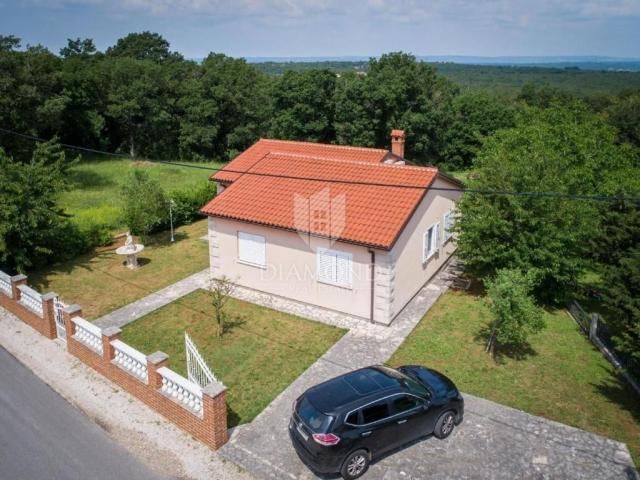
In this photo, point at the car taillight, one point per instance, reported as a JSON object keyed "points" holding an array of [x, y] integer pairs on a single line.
{"points": [[326, 439]]}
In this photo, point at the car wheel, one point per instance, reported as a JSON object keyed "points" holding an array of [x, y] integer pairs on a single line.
{"points": [[445, 424], [355, 465]]}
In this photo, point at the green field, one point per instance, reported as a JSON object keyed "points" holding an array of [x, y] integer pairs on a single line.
{"points": [[562, 376], [95, 185], [261, 352]]}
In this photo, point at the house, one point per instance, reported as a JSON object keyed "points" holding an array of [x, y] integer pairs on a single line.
{"points": [[350, 229]]}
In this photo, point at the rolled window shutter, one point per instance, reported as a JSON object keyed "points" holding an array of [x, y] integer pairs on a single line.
{"points": [[252, 248]]}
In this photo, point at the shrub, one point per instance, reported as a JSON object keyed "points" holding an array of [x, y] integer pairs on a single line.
{"points": [[145, 206], [187, 203], [515, 313]]}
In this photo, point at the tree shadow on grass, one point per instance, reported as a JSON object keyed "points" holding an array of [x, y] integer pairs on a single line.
{"points": [[618, 391], [235, 321], [87, 179], [503, 351]]}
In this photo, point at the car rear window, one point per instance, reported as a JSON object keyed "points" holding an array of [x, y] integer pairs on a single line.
{"points": [[310, 415]]}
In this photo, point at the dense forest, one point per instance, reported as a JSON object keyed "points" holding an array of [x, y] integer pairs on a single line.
{"points": [[570, 132], [139, 97], [495, 79]]}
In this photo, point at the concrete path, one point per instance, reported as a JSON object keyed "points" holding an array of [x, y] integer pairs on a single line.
{"points": [[43, 436], [133, 311], [146, 434], [494, 442]]}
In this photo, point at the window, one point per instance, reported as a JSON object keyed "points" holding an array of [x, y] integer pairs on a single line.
{"points": [[375, 412], [352, 418], [431, 241], [251, 249], [449, 220], [404, 403], [334, 267]]}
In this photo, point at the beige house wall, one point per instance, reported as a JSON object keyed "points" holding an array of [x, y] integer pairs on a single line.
{"points": [[291, 266], [411, 273], [291, 262]]}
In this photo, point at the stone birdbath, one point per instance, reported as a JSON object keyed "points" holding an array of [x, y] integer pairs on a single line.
{"points": [[131, 250]]}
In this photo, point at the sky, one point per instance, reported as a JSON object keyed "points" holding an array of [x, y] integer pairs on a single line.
{"points": [[274, 28]]}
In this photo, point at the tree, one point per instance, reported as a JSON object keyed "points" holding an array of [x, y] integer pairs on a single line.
{"points": [[624, 114], [561, 149], [9, 43], [33, 228], [225, 107], [619, 265], [143, 46], [353, 121], [304, 107], [145, 206], [78, 48], [408, 94], [221, 289], [515, 314], [474, 116]]}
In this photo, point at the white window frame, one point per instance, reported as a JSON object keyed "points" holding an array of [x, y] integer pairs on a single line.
{"points": [[252, 238], [447, 233], [337, 257], [432, 231]]}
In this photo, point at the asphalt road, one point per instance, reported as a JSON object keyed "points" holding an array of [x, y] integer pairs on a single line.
{"points": [[42, 436]]}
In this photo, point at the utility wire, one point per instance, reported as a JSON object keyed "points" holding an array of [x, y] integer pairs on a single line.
{"points": [[560, 195]]}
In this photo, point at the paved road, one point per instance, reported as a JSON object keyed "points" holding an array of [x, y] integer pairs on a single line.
{"points": [[42, 436]]}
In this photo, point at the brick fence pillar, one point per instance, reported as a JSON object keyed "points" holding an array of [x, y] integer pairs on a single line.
{"points": [[155, 361], [214, 409], [70, 312], [49, 315], [108, 335], [15, 281]]}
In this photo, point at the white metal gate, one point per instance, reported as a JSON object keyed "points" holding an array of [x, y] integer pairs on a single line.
{"points": [[197, 369], [58, 308]]}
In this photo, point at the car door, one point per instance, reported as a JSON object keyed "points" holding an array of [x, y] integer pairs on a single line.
{"points": [[410, 418], [375, 426]]}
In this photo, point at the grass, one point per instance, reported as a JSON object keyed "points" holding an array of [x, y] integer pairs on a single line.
{"points": [[261, 352], [95, 184], [99, 282], [562, 377]]}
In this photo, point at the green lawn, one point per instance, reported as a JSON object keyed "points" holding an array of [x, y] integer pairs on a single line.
{"points": [[96, 182], [261, 352], [100, 283], [563, 377]]}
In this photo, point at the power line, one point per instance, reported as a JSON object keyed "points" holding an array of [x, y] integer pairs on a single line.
{"points": [[534, 194]]}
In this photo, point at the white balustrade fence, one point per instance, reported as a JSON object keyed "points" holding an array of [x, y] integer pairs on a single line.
{"points": [[181, 390], [31, 299], [88, 334], [5, 284], [130, 360]]}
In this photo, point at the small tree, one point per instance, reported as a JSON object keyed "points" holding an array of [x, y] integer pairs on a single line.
{"points": [[515, 313], [220, 290], [145, 203]]}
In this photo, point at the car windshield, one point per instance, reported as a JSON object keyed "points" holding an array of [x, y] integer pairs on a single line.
{"points": [[316, 420], [407, 382]]}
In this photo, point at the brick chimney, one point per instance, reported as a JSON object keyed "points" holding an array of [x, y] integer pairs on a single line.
{"points": [[397, 142]]}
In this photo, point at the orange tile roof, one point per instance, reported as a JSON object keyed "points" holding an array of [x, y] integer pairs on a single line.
{"points": [[263, 147], [354, 201]]}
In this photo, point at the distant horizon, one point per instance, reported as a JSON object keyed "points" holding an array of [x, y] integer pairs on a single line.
{"points": [[338, 28]]}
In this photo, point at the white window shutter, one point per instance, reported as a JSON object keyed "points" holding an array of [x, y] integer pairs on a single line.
{"points": [[252, 248], [326, 265], [343, 269], [425, 246], [436, 234]]}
